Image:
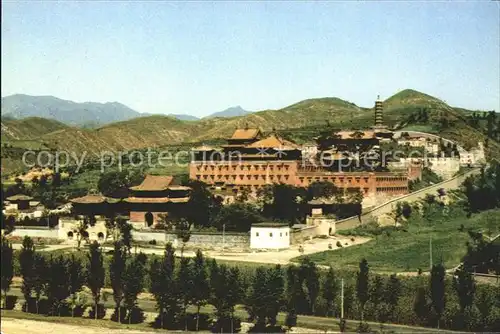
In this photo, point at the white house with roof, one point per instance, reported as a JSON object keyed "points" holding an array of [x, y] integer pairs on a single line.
{"points": [[270, 235]]}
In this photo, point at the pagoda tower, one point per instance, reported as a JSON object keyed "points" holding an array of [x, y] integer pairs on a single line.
{"points": [[379, 115]]}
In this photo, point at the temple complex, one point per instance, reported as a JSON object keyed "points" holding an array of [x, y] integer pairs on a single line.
{"points": [[251, 160]]}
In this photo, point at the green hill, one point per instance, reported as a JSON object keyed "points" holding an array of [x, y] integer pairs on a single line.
{"points": [[300, 121]]}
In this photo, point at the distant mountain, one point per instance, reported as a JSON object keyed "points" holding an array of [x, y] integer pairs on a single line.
{"points": [[184, 117], [230, 112], [300, 122], [72, 113]]}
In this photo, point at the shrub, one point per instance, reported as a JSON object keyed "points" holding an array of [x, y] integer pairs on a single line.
{"points": [[223, 325], [339, 244], [101, 311], [10, 302], [258, 328], [31, 307], [168, 321], [152, 242]]}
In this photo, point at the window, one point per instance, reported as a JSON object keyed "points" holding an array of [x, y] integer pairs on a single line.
{"points": [[271, 234], [286, 234], [256, 234], [281, 234]]}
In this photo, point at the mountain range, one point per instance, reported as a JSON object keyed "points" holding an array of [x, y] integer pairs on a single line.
{"points": [[301, 122], [86, 114]]}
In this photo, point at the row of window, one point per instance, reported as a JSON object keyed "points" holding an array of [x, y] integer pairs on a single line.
{"points": [[391, 189], [391, 178], [242, 177], [350, 180], [271, 234], [242, 167]]}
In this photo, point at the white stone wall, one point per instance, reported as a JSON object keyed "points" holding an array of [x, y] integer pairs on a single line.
{"points": [[34, 232]]}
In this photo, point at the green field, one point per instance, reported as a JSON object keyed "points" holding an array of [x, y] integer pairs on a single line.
{"points": [[408, 249]]}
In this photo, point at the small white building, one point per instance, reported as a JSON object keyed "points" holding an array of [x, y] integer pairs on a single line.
{"points": [[270, 236]]}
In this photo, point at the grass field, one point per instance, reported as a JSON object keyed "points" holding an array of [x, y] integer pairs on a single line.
{"points": [[310, 322], [408, 250]]}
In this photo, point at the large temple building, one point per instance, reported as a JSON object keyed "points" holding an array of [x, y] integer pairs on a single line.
{"points": [[251, 160], [155, 197]]}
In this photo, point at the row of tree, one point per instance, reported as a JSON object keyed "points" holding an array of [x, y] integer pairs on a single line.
{"points": [[178, 285]]}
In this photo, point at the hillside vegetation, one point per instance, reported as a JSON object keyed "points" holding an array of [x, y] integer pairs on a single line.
{"points": [[300, 121]]}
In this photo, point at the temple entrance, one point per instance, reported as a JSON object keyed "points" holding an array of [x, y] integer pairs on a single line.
{"points": [[100, 236], [70, 235], [148, 218]]}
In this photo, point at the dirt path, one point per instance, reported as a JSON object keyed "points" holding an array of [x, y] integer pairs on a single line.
{"points": [[21, 326]]}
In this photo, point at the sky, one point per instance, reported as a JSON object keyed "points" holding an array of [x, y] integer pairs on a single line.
{"points": [[202, 57]]}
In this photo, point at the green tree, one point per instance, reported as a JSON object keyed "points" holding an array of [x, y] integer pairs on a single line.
{"points": [[310, 274], [420, 305], [57, 288], [330, 290], [392, 294], [7, 266], [237, 217], [202, 206], [95, 269], [362, 285], [77, 279], [377, 291], [114, 183], [117, 268], [437, 287], [133, 283], [184, 279], [40, 276], [321, 189], [26, 261], [200, 292], [164, 285], [465, 287]]}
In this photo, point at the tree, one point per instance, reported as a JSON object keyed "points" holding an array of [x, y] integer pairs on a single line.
{"points": [[125, 232], [238, 217], [77, 279], [164, 285], [256, 304], [420, 306], [114, 184], [437, 286], [133, 283], [202, 206], [7, 266], [330, 290], [116, 273], [321, 189], [56, 180], [26, 261], [234, 293], [40, 277], [310, 275], [8, 224], [465, 287], [296, 300], [275, 285], [182, 232], [200, 292], [392, 294], [185, 286], [377, 291], [362, 291], [82, 227], [57, 288], [95, 269]]}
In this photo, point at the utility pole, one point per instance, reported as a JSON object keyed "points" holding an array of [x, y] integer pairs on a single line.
{"points": [[430, 251], [223, 237], [342, 299]]}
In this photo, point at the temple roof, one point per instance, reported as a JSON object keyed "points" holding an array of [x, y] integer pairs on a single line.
{"points": [[154, 183], [369, 134], [156, 200], [19, 197], [94, 199], [274, 141], [240, 134]]}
